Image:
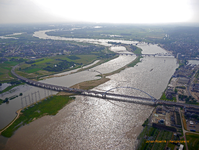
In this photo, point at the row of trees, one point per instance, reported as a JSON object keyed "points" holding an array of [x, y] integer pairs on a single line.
{"points": [[61, 66], [6, 100], [187, 99]]}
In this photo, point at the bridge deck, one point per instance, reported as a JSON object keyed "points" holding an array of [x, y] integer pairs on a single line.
{"points": [[97, 93]]}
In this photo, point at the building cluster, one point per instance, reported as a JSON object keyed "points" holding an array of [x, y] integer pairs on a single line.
{"points": [[184, 88], [170, 93], [43, 48], [185, 71], [182, 82], [183, 42], [168, 116], [192, 119], [195, 88]]}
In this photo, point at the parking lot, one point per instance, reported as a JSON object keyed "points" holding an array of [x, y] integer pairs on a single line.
{"points": [[192, 125]]}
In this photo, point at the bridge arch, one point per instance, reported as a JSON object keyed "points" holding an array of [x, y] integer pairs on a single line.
{"points": [[127, 87]]}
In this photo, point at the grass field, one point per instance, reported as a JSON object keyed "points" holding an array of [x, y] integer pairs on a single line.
{"points": [[138, 51], [36, 68], [193, 141], [163, 97], [156, 139], [46, 107], [46, 60], [32, 70], [137, 60], [5, 70]]}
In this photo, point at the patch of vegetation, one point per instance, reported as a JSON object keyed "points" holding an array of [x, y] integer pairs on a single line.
{"points": [[38, 61], [114, 43], [1, 101], [184, 121], [150, 134], [44, 60], [164, 137], [171, 146], [136, 50], [5, 69], [153, 138], [47, 65], [13, 83], [45, 107], [13, 97], [137, 60], [188, 99], [31, 70], [193, 141], [145, 122], [178, 119], [163, 97], [30, 62], [61, 66], [4, 101], [73, 57]]}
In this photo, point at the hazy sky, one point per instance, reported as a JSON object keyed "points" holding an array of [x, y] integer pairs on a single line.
{"points": [[99, 11]]}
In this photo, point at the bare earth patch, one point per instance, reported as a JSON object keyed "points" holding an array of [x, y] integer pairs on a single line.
{"points": [[90, 84]]}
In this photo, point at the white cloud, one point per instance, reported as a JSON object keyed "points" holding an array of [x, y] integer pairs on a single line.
{"points": [[23, 11], [110, 11], [125, 11]]}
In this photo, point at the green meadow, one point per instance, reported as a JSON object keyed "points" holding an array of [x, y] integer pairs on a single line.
{"points": [[51, 106]]}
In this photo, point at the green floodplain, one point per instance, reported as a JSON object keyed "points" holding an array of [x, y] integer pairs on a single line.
{"points": [[50, 106], [5, 68], [153, 134], [37, 68], [193, 141], [152, 138]]}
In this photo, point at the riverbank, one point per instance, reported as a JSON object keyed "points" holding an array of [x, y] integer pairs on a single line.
{"points": [[132, 64], [80, 69], [18, 112], [55, 103], [10, 87]]}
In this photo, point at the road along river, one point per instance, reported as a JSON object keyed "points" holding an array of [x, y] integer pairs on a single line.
{"points": [[94, 123]]}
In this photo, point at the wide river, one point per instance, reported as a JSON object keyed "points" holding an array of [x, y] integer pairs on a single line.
{"points": [[94, 123]]}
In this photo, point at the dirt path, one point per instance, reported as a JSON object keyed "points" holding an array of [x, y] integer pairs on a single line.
{"points": [[156, 139], [18, 113]]}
